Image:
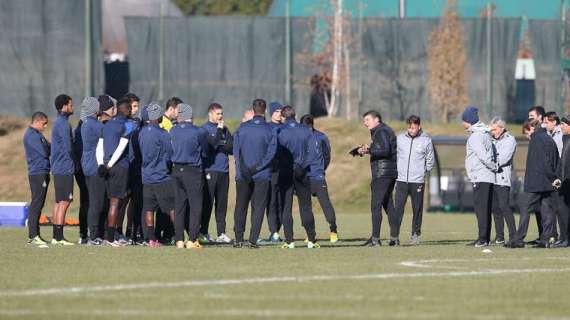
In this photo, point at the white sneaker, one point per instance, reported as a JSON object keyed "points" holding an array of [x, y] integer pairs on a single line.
{"points": [[275, 237], [223, 238], [415, 240], [313, 245]]}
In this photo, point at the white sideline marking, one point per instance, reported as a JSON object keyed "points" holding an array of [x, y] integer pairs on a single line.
{"points": [[228, 282], [258, 313], [429, 263], [266, 313]]}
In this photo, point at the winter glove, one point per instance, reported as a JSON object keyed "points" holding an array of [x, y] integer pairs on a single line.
{"points": [[102, 171]]}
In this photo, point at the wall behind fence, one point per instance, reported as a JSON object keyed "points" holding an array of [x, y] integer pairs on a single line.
{"points": [[42, 53]]}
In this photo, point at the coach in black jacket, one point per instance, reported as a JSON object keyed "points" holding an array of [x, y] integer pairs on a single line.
{"points": [[382, 153], [540, 183]]}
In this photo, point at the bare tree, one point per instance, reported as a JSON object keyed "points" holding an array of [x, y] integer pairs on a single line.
{"points": [[332, 79], [446, 62]]}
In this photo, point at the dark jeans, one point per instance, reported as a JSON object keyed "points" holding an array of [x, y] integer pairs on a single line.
{"points": [[83, 203], [289, 185], [320, 190], [416, 192], [256, 192], [275, 205], [502, 212], [215, 191], [381, 189], [97, 198], [545, 202], [189, 187], [38, 186], [482, 203]]}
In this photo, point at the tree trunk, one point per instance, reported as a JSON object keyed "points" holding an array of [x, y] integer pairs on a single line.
{"points": [[337, 43]]}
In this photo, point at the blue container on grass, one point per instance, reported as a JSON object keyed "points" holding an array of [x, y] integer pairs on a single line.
{"points": [[13, 214]]}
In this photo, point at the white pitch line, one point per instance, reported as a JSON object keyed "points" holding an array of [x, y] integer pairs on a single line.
{"points": [[429, 263], [258, 313], [301, 279]]}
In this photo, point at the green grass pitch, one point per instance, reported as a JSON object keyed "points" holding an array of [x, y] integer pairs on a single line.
{"points": [[440, 279]]}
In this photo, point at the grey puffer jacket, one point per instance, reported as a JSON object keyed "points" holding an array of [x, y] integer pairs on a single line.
{"points": [[415, 157], [506, 146], [479, 155]]}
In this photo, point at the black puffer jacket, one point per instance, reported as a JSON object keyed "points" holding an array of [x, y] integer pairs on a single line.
{"points": [[383, 152], [541, 163]]}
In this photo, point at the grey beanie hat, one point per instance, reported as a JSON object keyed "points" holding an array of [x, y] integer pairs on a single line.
{"points": [[155, 111], [184, 112], [89, 107]]}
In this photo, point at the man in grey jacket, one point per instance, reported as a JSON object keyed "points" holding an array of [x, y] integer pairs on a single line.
{"points": [[480, 170], [415, 159], [504, 147]]}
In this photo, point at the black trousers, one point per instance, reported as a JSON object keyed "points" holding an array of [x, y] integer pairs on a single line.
{"points": [[502, 212], [563, 211], [545, 202], [275, 205], [482, 203], [215, 196], [97, 199], [288, 185], [189, 188], [381, 189], [256, 192], [320, 190], [83, 203], [416, 192], [135, 204], [38, 186]]}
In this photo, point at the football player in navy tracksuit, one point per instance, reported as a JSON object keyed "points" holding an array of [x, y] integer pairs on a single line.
{"points": [[134, 209], [216, 166], [275, 205], [319, 160], [91, 135], [37, 150], [81, 182], [294, 140], [158, 187], [62, 166], [255, 145], [116, 136], [188, 145]]}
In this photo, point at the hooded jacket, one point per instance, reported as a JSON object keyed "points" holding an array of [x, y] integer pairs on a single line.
{"points": [[479, 155], [415, 157]]}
